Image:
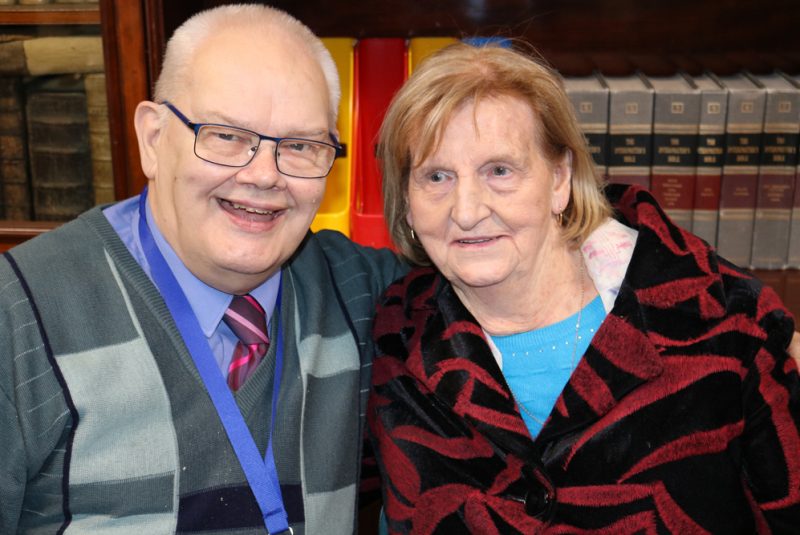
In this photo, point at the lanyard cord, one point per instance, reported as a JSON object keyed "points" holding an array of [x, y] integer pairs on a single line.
{"points": [[262, 475]]}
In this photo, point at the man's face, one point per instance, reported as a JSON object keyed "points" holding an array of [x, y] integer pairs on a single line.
{"points": [[234, 227]]}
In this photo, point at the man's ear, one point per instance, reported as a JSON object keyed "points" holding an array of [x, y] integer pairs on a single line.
{"points": [[148, 124]]}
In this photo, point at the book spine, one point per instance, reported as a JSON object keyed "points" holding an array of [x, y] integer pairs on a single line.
{"points": [[52, 55], [12, 58], [60, 160], [591, 111], [793, 257], [99, 138], [675, 123], [710, 157], [15, 186], [59, 55], [740, 175], [630, 137], [776, 181]]}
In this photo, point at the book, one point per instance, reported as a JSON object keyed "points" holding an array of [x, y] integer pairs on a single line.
{"points": [[737, 199], [334, 211], [710, 156], [99, 138], [380, 69], [58, 147], [676, 117], [793, 260], [589, 97], [630, 128], [52, 55], [776, 175], [14, 183], [420, 48]]}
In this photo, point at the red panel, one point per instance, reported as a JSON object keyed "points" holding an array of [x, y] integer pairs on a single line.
{"points": [[379, 71]]}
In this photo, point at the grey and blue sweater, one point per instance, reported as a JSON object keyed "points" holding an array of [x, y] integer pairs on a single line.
{"points": [[106, 427]]}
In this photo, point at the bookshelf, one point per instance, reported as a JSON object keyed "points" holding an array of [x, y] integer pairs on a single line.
{"points": [[115, 25], [50, 14], [575, 36]]}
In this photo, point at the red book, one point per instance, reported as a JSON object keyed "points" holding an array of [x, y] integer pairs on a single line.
{"points": [[380, 69]]}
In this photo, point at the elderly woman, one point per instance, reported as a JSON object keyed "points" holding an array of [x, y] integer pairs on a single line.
{"points": [[563, 365]]}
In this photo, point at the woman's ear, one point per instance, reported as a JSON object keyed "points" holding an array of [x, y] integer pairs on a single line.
{"points": [[148, 123], [562, 182]]}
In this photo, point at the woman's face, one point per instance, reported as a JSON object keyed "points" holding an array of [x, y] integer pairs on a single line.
{"points": [[483, 203]]}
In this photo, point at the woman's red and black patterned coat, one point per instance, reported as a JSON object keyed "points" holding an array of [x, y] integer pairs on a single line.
{"points": [[682, 416]]}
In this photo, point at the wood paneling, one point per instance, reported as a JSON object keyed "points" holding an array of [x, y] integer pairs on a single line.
{"points": [[128, 79]]}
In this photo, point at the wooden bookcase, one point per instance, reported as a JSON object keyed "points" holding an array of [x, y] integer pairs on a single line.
{"points": [[50, 14], [726, 35], [121, 26], [621, 34]]}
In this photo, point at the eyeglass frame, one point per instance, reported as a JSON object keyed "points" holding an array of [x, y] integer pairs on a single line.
{"points": [[195, 127]]}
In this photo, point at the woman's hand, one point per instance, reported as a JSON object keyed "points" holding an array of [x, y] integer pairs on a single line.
{"points": [[794, 348]]}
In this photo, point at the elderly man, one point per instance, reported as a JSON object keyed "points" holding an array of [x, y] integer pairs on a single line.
{"points": [[193, 359]]}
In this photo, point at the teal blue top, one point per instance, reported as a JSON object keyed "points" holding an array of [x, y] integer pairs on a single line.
{"points": [[537, 364]]}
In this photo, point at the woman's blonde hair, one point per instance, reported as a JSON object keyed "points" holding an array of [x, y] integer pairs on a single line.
{"points": [[462, 73]]}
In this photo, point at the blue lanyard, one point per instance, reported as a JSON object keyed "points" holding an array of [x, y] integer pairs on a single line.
{"points": [[261, 475]]}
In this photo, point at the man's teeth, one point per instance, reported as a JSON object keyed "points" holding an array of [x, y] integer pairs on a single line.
{"points": [[251, 210]]}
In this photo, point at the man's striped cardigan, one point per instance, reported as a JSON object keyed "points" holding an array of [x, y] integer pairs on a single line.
{"points": [[105, 426]]}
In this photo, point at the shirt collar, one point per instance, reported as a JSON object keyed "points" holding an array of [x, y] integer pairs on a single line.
{"points": [[208, 303], [607, 253]]}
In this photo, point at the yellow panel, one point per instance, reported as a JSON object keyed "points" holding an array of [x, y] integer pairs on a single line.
{"points": [[420, 48], [334, 212]]}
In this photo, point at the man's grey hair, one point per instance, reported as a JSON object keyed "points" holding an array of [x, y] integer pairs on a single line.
{"points": [[180, 48]]}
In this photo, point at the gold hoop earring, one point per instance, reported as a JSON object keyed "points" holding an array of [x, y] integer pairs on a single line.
{"points": [[560, 219]]}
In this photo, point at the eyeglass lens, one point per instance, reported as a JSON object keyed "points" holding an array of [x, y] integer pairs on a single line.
{"points": [[235, 147]]}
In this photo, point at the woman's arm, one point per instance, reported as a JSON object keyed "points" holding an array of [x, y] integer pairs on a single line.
{"points": [[771, 437]]}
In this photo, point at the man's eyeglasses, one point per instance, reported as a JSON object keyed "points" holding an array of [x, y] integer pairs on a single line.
{"points": [[236, 147]]}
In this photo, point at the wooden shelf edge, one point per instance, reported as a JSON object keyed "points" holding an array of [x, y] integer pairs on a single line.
{"points": [[88, 13], [786, 283], [15, 232]]}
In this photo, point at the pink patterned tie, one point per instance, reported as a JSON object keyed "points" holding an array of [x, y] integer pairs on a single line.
{"points": [[247, 320]]}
